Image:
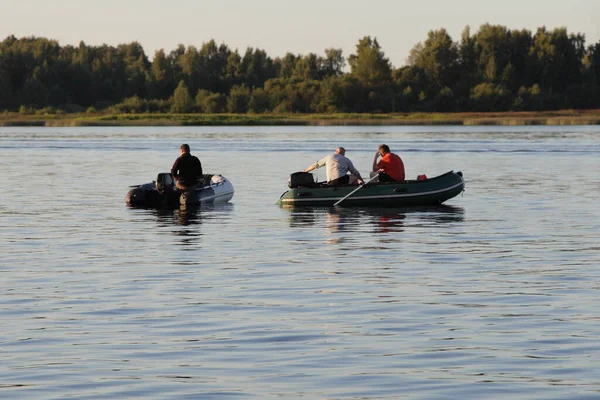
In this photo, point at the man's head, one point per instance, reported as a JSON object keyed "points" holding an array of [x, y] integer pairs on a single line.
{"points": [[384, 149], [185, 148], [341, 151]]}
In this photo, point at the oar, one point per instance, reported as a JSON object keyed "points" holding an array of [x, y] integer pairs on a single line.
{"points": [[355, 190]]}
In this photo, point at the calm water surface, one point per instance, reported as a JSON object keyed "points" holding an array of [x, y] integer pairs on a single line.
{"points": [[493, 296]]}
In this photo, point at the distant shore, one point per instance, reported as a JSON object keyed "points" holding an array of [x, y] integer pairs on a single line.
{"points": [[562, 117]]}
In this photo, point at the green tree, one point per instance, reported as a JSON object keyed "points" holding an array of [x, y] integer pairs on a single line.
{"points": [[438, 57], [108, 74], [305, 93], [570, 51], [493, 47], [508, 77], [468, 74], [291, 95], [411, 82], [444, 101], [529, 99], [259, 101], [233, 70], [467, 52], [307, 67], [354, 95], [79, 84], [286, 65], [381, 99], [214, 60], [542, 56], [333, 63], [548, 70], [593, 62], [275, 91], [160, 77], [173, 59], [135, 67], [583, 96], [239, 98], [132, 105], [369, 65], [256, 68], [330, 98], [490, 97], [6, 90], [210, 102], [191, 69], [520, 43], [181, 102]]}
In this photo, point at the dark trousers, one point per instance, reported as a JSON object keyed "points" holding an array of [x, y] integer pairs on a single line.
{"points": [[184, 185], [339, 181], [383, 177]]}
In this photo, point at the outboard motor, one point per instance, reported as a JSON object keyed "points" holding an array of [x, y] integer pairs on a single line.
{"points": [[165, 183], [298, 179]]}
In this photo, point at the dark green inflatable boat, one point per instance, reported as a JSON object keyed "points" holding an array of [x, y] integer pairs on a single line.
{"points": [[428, 192]]}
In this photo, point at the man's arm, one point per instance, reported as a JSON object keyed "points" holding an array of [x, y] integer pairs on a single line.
{"points": [[198, 168], [375, 166], [355, 172], [316, 165], [174, 169]]}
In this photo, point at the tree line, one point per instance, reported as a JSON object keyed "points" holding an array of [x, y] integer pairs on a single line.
{"points": [[494, 69]]}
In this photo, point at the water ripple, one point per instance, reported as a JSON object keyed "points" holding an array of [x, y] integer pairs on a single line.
{"points": [[494, 293]]}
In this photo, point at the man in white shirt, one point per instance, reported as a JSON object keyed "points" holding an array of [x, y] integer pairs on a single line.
{"points": [[337, 168]]}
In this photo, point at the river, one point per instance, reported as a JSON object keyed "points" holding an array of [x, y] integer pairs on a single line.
{"points": [[494, 295]]}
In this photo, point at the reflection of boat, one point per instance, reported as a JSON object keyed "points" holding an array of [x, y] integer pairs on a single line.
{"points": [[191, 215], [428, 192], [183, 216], [213, 189], [383, 219]]}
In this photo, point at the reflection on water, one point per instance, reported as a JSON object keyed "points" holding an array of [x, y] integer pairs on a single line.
{"points": [[386, 224], [182, 217], [253, 301], [387, 219], [390, 223], [191, 215], [185, 223]]}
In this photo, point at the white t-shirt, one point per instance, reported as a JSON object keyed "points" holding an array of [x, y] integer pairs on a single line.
{"points": [[337, 166]]}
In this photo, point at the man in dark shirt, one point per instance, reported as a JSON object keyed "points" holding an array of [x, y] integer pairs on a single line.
{"points": [[187, 169]]}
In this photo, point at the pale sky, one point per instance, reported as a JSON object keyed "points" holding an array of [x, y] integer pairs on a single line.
{"points": [[280, 26]]}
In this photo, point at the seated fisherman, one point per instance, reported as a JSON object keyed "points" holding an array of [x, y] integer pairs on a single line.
{"points": [[187, 169], [338, 167], [390, 168]]}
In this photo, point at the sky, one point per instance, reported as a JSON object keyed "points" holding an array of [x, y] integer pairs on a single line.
{"points": [[282, 26]]}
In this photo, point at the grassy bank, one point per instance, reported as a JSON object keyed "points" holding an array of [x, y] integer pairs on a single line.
{"points": [[563, 117]]}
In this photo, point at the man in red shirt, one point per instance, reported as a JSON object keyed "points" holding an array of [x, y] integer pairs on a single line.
{"points": [[390, 167]]}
